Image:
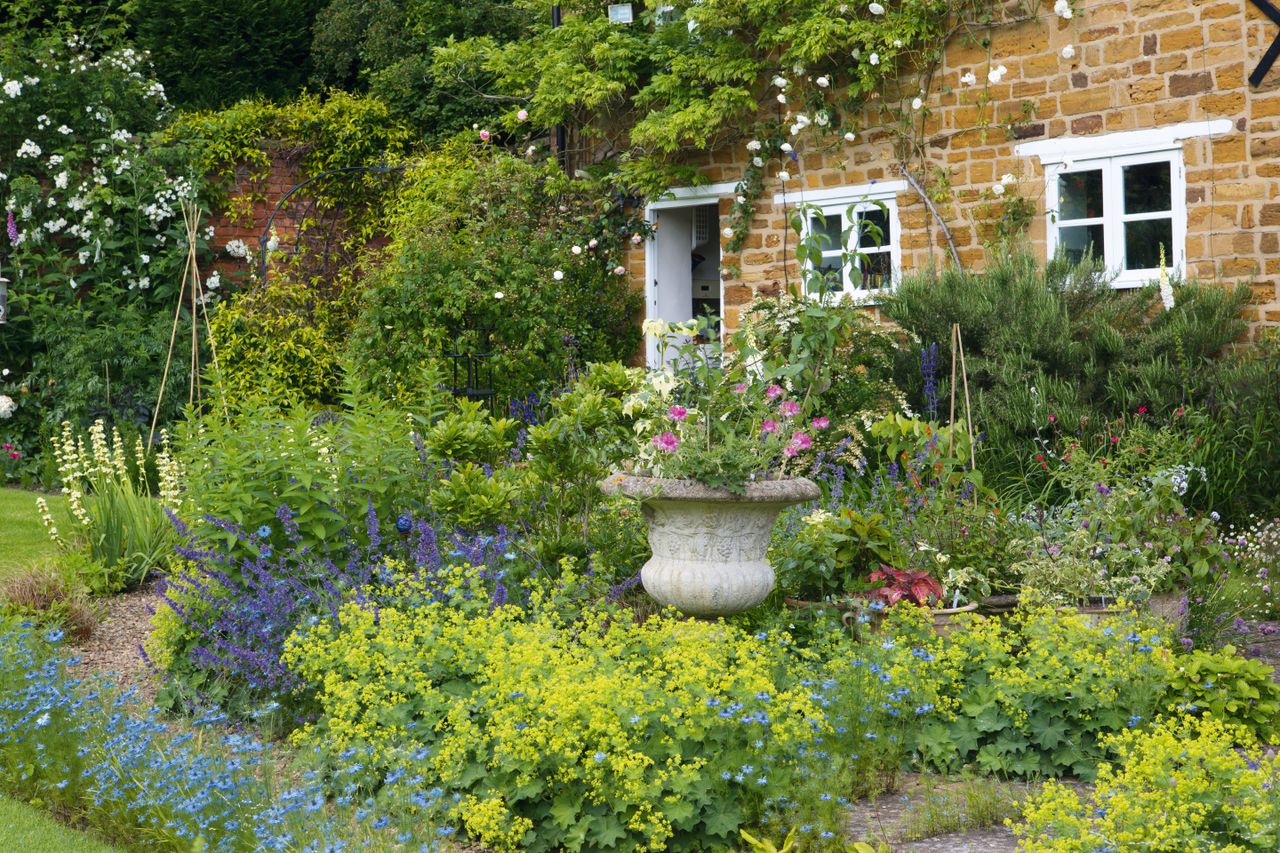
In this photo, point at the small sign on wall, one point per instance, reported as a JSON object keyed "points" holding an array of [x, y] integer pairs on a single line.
{"points": [[620, 13]]}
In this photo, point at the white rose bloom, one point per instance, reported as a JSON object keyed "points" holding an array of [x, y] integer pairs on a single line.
{"points": [[558, 275], [779, 81], [619, 270], [784, 176], [757, 162], [917, 103], [28, 149], [60, 180], [874, 59], [1068, 52], [822, 82], [753, 145], [968, 78], [13, 88], [782, 99], [499, 295], [728, 233], [850, 136], [1007, 178], [64, 130], [7, 406], [998, 189], [875, 9], [577, 250], [786, 148]]}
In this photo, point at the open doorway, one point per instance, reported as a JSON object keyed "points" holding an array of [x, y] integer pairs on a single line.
{"points": [[683, 264]]}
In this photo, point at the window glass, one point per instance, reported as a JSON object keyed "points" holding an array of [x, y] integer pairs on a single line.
{"points": [[828, 228], [874, 230], [1076, 241], [1143, 240], [1080, 195], [877, 270], [1147, 188]]}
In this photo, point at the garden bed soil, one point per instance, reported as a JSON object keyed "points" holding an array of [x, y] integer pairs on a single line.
{"points": [[114, 650]]}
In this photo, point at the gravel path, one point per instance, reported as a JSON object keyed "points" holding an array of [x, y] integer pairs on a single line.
{"points": [[114, 647]]}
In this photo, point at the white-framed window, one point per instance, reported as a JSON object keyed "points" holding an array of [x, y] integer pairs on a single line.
{"points": [[1120, 197], [1128, 211], [859, 234]]}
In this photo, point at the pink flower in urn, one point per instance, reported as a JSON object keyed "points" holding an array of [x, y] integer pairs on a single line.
{"points": [[789, 408], [740, 388], [801, 441], [821, 422], [667, 442], [678, 413], [790, 450], [768, 426], [773, 392], [484, 136]]}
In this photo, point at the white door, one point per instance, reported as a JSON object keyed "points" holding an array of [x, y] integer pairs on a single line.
{"points": [[670, 270]]}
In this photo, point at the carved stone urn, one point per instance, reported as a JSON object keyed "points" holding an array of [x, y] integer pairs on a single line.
{"points": [[709, 545]]}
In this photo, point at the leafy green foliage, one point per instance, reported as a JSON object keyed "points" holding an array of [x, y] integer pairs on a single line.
{"points": [[211, 55], [1230, 688], [103, 24], [1079, 351], [478, 237], [385, 47], [695, 74]]}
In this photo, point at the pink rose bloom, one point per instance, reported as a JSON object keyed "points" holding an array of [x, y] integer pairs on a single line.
{"points": [[767, 426], [789, 408], [678, 413], [773, 392], [522, 115], [667, 442], [484, 136], [801, 440], [740, 388], [821, 423], [1052, 419]]}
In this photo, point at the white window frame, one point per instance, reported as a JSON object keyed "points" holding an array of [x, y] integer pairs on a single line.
{"points": [[1110, 153], [862, 198]]}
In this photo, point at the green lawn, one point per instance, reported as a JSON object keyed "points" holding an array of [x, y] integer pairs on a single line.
{"points": [[23, 539], [30, 831]]}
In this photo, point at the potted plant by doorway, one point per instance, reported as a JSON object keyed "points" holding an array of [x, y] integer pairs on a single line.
{"points": [[715, 433]]}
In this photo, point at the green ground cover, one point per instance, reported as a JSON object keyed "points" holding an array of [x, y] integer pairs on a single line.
{"points": [[23, 539], [25, 828]]}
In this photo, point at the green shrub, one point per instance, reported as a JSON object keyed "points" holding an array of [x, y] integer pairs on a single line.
{"points": [[1180, 786], [477, 240], [212, 55], [386, 46], [284, 340], [1078, 351]]}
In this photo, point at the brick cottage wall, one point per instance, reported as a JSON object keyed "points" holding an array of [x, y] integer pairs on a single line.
{"points": [[1139, 64]]}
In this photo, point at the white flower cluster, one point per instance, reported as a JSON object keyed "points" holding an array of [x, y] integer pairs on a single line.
{"points": [[237, 249], [7, 407], [1062, 9]]}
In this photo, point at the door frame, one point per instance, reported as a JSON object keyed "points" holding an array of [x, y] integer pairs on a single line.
{"points": [[676, 197]]}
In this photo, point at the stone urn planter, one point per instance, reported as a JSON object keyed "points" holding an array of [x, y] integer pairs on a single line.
{"points": [[708, 544]]}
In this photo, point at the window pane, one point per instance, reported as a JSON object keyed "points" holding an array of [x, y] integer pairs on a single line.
{"points": [[832, 272], [827, 227], [1143, 241], [874, 228], [1147, 188], [1080, 195], [1076, 241], [877, 271]]}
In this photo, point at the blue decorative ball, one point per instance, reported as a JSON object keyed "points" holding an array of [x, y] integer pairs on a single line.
{"points": [[404, 524]]}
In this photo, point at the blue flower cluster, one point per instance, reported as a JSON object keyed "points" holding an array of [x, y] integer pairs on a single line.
{"points": [[94, 754]]}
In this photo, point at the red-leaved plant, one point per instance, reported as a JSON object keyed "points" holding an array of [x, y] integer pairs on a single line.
{"points": [[897, 585]]}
